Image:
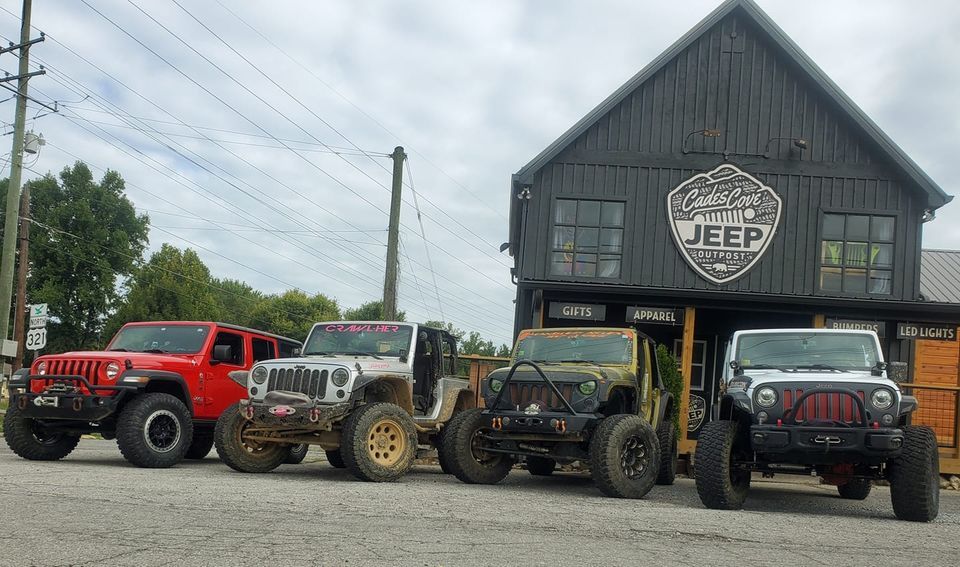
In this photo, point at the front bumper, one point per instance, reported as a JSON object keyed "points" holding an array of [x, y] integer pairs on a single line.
{"points": [[100, 403], [809, 443], [293, 416], [544, 423]]}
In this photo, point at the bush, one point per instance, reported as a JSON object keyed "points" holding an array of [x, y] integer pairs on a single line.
{"points": [[673, 381]]}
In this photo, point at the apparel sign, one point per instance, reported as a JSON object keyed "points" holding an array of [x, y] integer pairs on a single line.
{"points": [[655, 315], [927, 331], [582, 311], [878, 327], [723, 222]]}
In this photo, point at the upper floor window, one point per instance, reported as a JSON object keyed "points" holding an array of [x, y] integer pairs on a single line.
{"points": [[856, 254], [587, 238]]}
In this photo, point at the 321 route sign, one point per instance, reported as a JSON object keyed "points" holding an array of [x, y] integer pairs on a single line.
{"points": [[36, 339]]}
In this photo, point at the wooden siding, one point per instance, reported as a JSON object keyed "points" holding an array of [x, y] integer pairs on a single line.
{"points": [[937, 363], [735, 80]]}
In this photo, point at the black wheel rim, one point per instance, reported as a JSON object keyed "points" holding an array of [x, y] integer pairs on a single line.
{"points": [[162, 431], [45, 438], [478, 445], [634, 457]]}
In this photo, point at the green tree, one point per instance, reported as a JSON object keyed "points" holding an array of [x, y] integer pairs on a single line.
{"points": [[293, 312], [238, 300], [175, 285], [672, 379], [370, 311], [86, 235]]}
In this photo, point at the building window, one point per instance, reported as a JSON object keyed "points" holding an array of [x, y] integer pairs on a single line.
{"points": [[856, 254], [587, 238], [698, 369]]}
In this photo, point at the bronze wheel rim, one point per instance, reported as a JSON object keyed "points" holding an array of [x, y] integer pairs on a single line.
{"points": [[251, 447], [478, 445], [386, 442]]}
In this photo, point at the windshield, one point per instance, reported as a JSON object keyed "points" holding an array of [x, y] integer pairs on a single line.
{"points": [[599, 347], [181, 339], [359, 339], [807, 350]]}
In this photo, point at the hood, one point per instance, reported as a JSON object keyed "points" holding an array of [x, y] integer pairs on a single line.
{"points": [[567, 372], [142, 360], [758, 377]]}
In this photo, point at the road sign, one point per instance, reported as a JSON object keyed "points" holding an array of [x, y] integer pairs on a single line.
{"points": [[38, 310], [9, 348], [36, 339], [37, 322]]}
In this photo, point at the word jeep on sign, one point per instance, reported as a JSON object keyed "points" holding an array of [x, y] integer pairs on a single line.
{"points": [[723, 221]]}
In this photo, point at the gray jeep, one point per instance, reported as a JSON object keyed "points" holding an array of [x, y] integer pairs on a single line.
{"points": [[369, 393]]}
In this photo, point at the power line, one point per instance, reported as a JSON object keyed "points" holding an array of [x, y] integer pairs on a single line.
{"points": [[426, 244]]}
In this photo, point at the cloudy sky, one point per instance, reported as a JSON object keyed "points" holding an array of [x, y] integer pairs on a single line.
{"points": [[256, 132]]}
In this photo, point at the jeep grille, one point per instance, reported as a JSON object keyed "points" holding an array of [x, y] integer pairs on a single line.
{"points": [[826, 406], [525, 393], [89, 369], [310, 382]]}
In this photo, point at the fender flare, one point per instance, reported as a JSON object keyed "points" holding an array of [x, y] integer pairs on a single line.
{"points": [[146, 377], [733, 401], [666, 400]]}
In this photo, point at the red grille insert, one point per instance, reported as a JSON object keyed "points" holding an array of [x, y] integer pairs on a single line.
{"points": [[825, 406], [89, 369]]}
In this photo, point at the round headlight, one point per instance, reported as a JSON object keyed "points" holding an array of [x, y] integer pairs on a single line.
{"points": [[259, 375], [496, 385], [340, 377], [881, 399], [766, 397], [42, 368], [112, 370], [587, 388]]}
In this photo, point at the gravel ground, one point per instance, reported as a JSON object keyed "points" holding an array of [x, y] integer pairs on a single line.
{"points": [[94, 509]]}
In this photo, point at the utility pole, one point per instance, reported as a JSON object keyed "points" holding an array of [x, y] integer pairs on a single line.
{"points": [[19, 327], [16, 169], [393, 238]]}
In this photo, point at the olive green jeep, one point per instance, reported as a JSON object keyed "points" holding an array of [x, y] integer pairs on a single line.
{"points": [[592, 395]]}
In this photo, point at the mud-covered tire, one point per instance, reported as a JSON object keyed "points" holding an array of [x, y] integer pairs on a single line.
{"points": [[667, 436], [915, 476], [856, 489], [28, 440], [335, 459], [467, 463], [201, 445], [719, 486], [541, 466], [154, 431], [624, 456], [296, 454], [379, 442], [243, 456]]}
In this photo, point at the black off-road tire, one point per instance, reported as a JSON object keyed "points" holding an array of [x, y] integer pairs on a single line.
{"points": [[856, 489], [915, 476], [296, 454], [201, 445], [541, 466], [335, 459], [443, 455], [27, 439], [241, 456], [667, 436], [624, 456], [720, 486], [464, 463], [382, 429], [154, 431]]}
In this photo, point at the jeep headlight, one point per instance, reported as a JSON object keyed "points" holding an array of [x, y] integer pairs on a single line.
{"points": [[766, 397], [587, 388], [42, 367], [259, 375], [340, 377], [882, 398], [112, 370], [495, 385]]}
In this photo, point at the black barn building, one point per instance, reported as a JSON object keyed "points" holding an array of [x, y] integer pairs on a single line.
{"points": [[730, 184]]}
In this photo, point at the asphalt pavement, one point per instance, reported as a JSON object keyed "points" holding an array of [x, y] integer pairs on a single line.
{"points": [[95, 509]]}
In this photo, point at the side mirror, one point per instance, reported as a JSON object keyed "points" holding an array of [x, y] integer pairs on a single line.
{"points": [[737, 370], [897, 371], [222, 353]]}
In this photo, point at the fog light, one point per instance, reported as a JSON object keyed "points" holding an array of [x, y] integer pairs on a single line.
{"points": [[341, 393], [762, 417], [253, 391], [506, 421], [886, 419]]}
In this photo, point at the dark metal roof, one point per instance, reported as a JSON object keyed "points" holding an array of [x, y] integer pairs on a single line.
{"points": [[940, 275], [935, 195]]}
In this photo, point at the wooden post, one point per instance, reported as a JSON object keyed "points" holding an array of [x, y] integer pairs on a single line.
{"points": [[819, 321], [686, 370]]}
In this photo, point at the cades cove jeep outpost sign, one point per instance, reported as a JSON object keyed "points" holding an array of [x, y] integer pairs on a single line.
{"points": [[723, 221]]}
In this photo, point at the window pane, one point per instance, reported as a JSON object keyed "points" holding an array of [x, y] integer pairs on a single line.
{"points": [[566, 212], [855, 254], [589, 213], [612, 214], [854, 280], [858, 227], [561, 264], [609, 267], [831, 253], [881, 228], [881, 255], [611, 240], [830, 279], [833, 227], [585, 265], [881, 281], [563, 237], [587, 239]]}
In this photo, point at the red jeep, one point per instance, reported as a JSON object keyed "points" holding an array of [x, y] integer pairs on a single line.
{"points": [[158, 389]]}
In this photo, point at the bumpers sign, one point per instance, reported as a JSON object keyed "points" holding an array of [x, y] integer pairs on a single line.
{"points": [[723, 222]]}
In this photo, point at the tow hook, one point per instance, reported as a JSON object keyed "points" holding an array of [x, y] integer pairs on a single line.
{"points": [[77, 404], [314, 415], [497, 423], [22, 402], [248, 412]]}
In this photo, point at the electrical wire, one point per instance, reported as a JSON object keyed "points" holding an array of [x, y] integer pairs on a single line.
{"points": [[426, 243]]}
